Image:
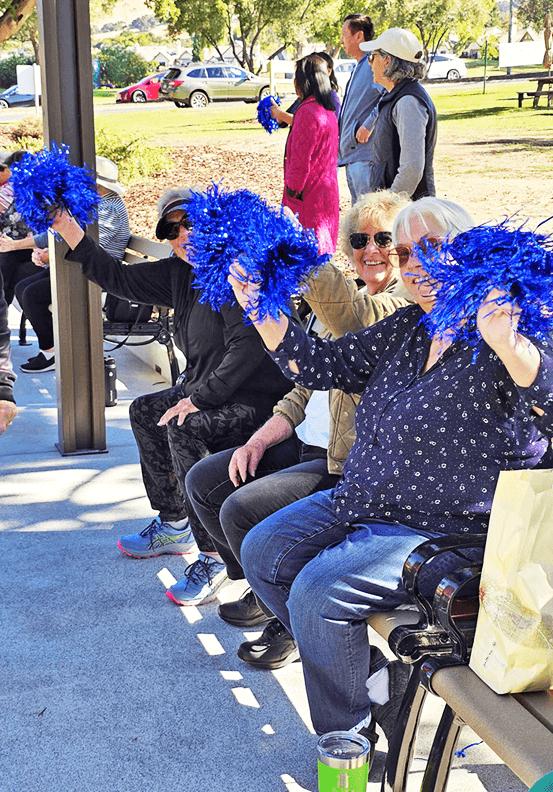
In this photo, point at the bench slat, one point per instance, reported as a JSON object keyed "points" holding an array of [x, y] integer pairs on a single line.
{"points": [[147, 247], [522, 741]]}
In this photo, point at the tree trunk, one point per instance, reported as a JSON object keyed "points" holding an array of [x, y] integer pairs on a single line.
{"points": [[34, 41], [14, 17]]}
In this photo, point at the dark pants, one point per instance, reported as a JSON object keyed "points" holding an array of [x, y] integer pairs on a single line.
{"points": [[16, 265], [287, 472], [35, 297], [167, 453]]}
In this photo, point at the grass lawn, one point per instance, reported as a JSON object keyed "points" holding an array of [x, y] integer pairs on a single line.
{"points": [[462, 108]]}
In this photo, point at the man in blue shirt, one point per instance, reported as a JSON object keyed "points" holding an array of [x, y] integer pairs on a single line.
{"points": [[358, 112]]}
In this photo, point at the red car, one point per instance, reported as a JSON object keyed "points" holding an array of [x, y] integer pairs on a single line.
{"points": [[146, 90]]}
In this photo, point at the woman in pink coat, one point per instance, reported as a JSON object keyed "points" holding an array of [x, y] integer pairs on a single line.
{"points": [[310, 163]]}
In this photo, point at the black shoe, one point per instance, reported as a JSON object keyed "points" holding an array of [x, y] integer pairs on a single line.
{"points": [[273, 649], [39, 363], [245, 612], [386, 714]]}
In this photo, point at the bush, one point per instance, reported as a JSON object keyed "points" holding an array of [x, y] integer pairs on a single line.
{"points": [[28, 134], [135, 159], [120, 67], [8, 69]]}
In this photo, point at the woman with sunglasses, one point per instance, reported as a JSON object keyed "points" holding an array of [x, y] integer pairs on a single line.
{"points": [[302, 447], [434, 428], [229, 385]]}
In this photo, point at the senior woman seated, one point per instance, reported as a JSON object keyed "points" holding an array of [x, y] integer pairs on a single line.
{"points": [[434, 429], [303, 446], [229, 388]]}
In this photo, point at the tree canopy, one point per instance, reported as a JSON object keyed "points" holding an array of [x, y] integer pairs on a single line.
{"points": [[532, 12]]}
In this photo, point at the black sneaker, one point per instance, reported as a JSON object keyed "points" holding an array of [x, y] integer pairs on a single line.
{"points": [[369, 732], [245, 612], [273, 649], [39, 363]]}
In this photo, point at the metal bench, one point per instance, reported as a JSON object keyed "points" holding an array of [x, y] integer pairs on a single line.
{"points": [[157, 327], [436, 639]]}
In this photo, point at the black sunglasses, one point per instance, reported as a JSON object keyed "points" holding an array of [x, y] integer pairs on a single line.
{"points": [[382, 239], [426, 244], [172, 230]]}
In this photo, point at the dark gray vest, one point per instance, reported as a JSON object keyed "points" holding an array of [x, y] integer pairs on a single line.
{"points": [[385, 140]]}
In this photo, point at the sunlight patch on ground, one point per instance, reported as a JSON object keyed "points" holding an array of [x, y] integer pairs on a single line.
{"points": [[245, 697], [268, 729], [292, 785], [232, 676], [210, 643], [42, 486], [287, 678], [166, 578], [51, 525]]}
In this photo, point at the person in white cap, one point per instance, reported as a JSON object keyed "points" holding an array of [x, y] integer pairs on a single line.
{"points": [[34, 293], [403, 139]]}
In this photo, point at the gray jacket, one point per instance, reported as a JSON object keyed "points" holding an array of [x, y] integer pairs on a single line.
{"points": [[358, 109]]}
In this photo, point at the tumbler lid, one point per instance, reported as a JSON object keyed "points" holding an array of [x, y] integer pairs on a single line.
{"points": [[343, 750]]}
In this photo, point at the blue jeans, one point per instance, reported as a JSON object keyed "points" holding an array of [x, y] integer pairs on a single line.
{"points": [[323, 577], [358, 176]]}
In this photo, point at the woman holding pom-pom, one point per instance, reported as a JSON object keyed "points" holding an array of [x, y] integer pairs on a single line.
{"points": [[229, 388], [310, 162], [438, 420]]}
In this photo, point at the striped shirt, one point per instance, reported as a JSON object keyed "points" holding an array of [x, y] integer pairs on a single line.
{"points": [[113, 225]]}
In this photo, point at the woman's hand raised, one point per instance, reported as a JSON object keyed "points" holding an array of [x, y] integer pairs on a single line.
{"points": [[246, 290]]}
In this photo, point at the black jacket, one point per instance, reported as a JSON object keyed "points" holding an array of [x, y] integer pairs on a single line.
{"points": [[225, 359]]}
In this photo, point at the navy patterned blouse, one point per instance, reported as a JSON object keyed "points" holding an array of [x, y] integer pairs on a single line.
{"points": [[429, 446]]}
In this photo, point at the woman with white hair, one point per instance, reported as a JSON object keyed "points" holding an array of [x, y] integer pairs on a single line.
{"points": [[403, 139], [436, 423]]}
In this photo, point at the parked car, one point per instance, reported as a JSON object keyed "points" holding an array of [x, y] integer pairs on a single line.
{"points": [[145, 90], [447, 67], [12, 98], [343, 70], [198, 84]]}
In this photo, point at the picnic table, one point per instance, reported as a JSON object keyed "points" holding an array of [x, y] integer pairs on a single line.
{"points": [[542, 90]]}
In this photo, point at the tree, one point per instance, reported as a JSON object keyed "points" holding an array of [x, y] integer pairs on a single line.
{"points": [[532, 12], [243, 24], [8, 69], [434, 20], [121, 66]]}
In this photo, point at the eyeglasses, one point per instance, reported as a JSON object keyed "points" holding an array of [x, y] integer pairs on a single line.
{"points": [[371, 55], [426, 245], [172, 230], [382, 239]]}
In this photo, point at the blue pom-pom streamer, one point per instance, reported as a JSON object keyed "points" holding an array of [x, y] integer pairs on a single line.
{"points": [[240, 226], [264, 116], [466, 268], [47, 181]]}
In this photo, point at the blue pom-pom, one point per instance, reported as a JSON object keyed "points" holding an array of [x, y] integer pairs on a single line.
{"points": [[466, 268], [272, 249], [47, 181], [264, 114]]}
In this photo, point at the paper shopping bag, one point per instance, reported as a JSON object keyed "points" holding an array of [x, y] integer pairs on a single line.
{"points": [[513, 645]]}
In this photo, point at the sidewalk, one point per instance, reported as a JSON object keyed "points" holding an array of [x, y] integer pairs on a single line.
{"points": [[107, 685]]}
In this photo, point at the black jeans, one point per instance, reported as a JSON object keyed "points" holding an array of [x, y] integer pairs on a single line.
{"points": [[35, 297], [167, 453], [286, 472], [16, 265]]}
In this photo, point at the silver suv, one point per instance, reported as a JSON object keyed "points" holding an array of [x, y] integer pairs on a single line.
{"points": [[198, 84]]}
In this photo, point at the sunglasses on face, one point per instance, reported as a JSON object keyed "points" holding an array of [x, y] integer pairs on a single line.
{"points": [[426, 244], [370, 56], [172, 230], [382, 239]]}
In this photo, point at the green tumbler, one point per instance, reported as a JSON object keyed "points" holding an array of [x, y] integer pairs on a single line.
{"points": [[343, 762]]}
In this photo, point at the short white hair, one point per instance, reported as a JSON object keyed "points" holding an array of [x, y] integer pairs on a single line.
{"points": [[433, 214]]}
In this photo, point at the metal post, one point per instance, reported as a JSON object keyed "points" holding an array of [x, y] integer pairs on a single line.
{"points": [[64, 33], [485, 65]]}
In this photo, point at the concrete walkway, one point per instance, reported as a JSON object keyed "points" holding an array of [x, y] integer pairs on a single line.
{"points": [[107, 686]]}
